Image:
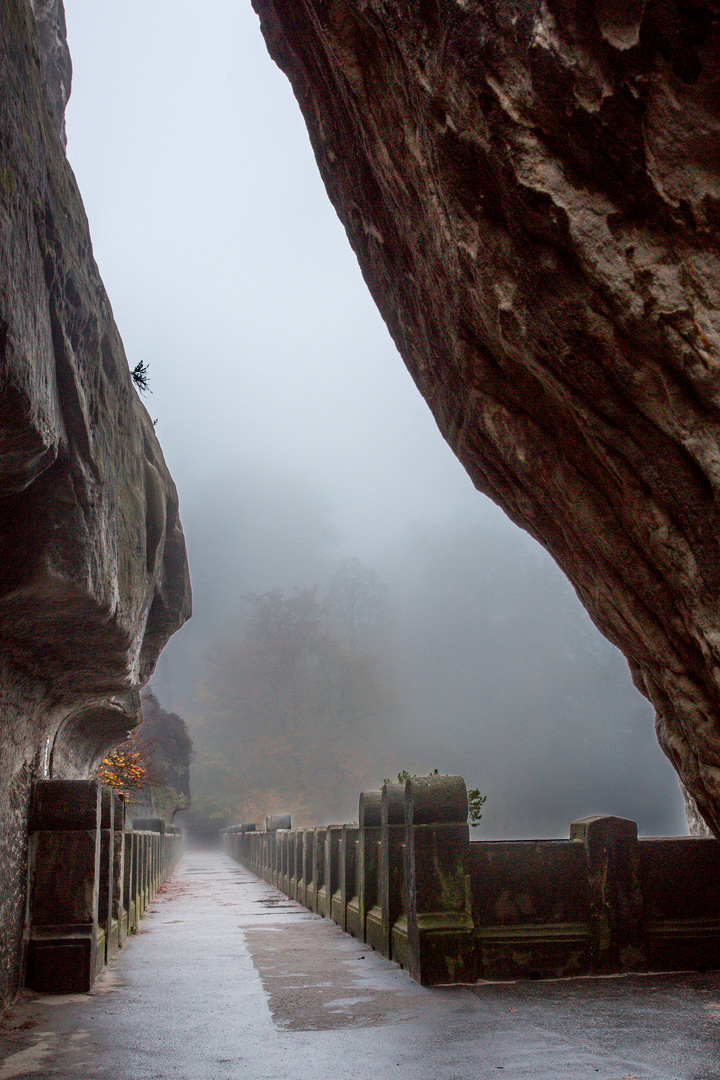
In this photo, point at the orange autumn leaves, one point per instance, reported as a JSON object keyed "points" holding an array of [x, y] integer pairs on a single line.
{"points": [[128, 768]]}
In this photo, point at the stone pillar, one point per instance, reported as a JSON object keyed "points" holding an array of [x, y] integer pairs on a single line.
{"points": [[292, 864], [375, 933], [369, 815], [330, 885], [434, 939], [392, 862], [317, 870], [263, 855], [273, 823], [107, 866], [254, 854], [282, 874], [65, 944], [129, 900], [611, 850], [119, 916], [143, 872], [346, 875], [307, 866], [153, 829]]}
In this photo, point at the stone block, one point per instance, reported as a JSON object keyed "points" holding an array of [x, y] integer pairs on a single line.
{"points": [[616, 903], [333, 834], [346, 875], [277, 821], [366, 861], [434, 937], [293, 842], [531, 908], [107, 859], [391, 869], [65, 944]]}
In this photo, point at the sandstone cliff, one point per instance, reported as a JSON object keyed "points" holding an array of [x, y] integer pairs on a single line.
{"points": [[532, 188], [93, 574]]}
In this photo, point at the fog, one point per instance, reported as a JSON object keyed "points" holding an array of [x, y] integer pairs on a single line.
{"points": [[297, 439]]}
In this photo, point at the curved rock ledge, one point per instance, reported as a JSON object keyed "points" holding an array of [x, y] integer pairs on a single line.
{"points": [[93, 573], [533, 193]]}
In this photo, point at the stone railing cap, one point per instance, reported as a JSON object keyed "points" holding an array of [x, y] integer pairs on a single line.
{"points": [[370, 809], [65, 804], [434, 799]]}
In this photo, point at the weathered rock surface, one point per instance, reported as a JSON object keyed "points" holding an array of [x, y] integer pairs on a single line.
{"points": [[532, 188], [93, 574], [52, 34]]}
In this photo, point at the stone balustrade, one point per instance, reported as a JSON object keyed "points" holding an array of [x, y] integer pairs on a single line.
{"points": [[90, 881], [407, 881]]}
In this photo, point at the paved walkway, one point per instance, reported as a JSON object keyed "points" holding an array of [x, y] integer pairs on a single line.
{"points": [[229, 980]]}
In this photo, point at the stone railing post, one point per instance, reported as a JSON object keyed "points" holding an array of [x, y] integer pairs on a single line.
{"points": [[107, 846], [306, 875], [317, 870], [392, 807], [273, 823], [119, 915], [330, 885], [130, 917], [246, 847], [435, 938], [392, 863], [144, 871], [65, 946], [134, 912], [346, 875], [611, 850], [292, 864], [152, 831], [283, 874], [369, 815]]}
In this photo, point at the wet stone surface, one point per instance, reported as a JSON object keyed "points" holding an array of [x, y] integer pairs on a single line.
{"points": [[227, 978]]}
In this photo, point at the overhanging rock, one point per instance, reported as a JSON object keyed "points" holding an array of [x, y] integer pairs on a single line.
{"points": [[93, 573], [533, 193]]}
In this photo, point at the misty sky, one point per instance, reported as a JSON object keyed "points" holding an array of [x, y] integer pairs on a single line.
{"points": [[281, 404], [229, 272]]}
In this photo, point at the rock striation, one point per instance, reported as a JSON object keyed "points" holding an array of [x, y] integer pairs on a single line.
{"points": [[93, 572], [532, 188]]}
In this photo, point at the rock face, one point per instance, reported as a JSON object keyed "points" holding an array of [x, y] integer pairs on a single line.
{"points": [[52, 34], [532, 188], [93, 574]]}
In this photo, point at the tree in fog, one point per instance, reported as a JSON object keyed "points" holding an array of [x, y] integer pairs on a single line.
{"points": [[293, 713], [357, 604]]}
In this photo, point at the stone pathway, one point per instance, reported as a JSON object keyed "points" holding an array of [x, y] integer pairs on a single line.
{"points": [[229, 980]]}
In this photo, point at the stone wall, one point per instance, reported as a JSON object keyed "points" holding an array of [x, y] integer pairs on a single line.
{"points": [[89, 881], [93, 573], [407, 881]]}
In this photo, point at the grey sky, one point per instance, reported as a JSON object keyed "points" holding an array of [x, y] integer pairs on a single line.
{"points": [[229, 272]]}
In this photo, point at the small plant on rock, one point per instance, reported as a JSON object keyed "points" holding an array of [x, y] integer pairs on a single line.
{"points": [[475, 799]]}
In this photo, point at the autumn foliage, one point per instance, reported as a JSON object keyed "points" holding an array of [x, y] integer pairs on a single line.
{"points": [[155, 756], [128, 768]]}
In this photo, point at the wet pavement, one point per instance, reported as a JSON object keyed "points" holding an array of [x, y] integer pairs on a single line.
{"points": [[228, 979]]}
